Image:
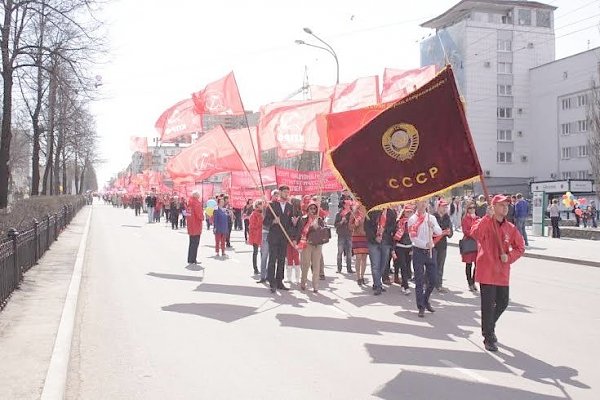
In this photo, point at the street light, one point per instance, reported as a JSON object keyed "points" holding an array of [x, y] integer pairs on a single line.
{"points": [[328, 49]]}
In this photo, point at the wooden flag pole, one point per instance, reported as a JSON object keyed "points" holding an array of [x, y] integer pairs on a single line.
{"points": [[256, 183]]}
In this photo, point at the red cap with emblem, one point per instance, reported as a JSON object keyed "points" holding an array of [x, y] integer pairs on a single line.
{"points": [[499, 198]]}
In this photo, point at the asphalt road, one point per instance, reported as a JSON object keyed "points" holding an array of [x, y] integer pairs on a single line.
{"points": [[149, 327]]}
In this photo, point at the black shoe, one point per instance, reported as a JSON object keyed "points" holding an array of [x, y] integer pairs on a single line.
{"points": [[378, 291], [350, 271], [273, 290], [429, 308], [262, 281], [281, 287], [421, 313], [339, 270], [490, 346]]}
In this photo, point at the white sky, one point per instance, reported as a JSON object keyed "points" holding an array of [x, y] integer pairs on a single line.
{"points": [[162, 51]]}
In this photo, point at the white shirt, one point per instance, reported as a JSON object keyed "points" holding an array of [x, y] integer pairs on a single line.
{"points": [[282, 204], [424, 233]]}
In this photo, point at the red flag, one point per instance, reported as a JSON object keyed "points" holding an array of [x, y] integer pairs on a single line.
{"points": [[416, 148], [361, 93], [221, 97], [291, 126], [214, 152], [138, 144], [245, 180], [399, 83], [179, 120], [321, 92]]}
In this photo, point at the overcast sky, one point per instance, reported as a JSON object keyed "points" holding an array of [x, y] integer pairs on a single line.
{"points": [[162, 51]]}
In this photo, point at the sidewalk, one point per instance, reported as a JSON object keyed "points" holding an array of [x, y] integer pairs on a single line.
{"points": [[29, 323], [574, 251]]}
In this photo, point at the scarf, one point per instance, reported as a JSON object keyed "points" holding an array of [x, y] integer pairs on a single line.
{"points": [[413, 231], [310, 219], [381, 224], [400, 228]]}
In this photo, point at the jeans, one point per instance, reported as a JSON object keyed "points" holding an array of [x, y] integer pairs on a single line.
{"points": [[264, 255], [494, 300], [344, 246], [378, 255], [521, 227], [425, 269], [193, 248], [150, 214], [440, 260]]}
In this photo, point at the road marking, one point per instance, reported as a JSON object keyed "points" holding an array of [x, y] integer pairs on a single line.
{"points": [[56, 377], [467, 372]]}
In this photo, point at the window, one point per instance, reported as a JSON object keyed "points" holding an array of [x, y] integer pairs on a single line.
{"points": [[505, 90], [504, 135], [507, 19], [504, 157], [582, 125], [566, 153], [583, 174], [583, 151], [582, 100], [566, 129], [504, 45], [566, 103], [525, 17], [567, 175], [504, 112], [504, 68], [543, 18]]}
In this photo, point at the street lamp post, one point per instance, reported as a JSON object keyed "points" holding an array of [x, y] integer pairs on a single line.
{"points": [[327, 48]]}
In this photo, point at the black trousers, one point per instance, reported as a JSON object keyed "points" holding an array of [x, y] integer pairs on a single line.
{"points": [[494, 300], [402, 264], [277, 252], [254, 256], [228, 236], [193, 248], [555, 227], [246, 228]]}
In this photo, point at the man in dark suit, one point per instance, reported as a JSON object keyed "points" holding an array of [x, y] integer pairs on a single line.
{"points": [[277, 223]]}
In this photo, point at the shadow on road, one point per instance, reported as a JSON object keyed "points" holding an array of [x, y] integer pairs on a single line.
{"points": [[218, 311], [422, 386], [176, 277]]}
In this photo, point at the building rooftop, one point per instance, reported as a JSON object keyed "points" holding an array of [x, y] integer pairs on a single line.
{"points": [[593, 50], [465, 6]]}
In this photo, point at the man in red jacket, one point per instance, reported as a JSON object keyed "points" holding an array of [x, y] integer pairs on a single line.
{"points": [[195, 216], [500, 245]]}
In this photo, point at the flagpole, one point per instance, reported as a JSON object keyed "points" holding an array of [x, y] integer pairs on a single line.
{"points": [[250, 134], [254, 180]]}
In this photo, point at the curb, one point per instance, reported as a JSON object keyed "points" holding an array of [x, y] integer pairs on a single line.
{"points": [[553, 258], [56, 376]]}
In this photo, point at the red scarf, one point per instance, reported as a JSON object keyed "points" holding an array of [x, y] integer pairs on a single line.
{"points": [[304, 236], [381, 224], [413, 231], [400, 228]]}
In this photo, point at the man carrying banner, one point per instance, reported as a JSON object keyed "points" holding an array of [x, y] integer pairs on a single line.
{"points": [[422, 226], [500, 245], [278, 224]]}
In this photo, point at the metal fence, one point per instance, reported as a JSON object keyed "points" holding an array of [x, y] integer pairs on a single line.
{"points": [[21, 250]]}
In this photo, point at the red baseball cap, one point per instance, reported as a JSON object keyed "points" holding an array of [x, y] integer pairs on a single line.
{"points": [[499, 198], [442, 203]]}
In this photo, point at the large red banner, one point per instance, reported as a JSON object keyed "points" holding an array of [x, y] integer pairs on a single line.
{"points": [[239, 196], [308, 182], [399, 83], [245, 180]]}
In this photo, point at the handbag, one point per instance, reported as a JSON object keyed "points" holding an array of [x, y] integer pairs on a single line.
{"points": [[467, 246], [319, 236]]}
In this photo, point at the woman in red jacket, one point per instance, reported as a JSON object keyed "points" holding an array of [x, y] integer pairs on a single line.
{"points": [[255, 232], [500, 244], [194, 228], [469, 258]]}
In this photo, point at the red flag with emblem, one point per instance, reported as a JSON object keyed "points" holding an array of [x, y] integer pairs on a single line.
{"points": [[291, 126], [416, 148], [221, 97], [178, 120], [361, 93], [213, 153]]}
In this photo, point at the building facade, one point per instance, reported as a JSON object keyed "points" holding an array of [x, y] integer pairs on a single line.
{"points": [[561, 94], [492, 45]]}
